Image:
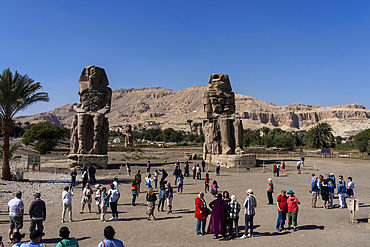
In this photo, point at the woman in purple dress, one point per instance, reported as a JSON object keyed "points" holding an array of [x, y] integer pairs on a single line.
{"points": [[217, 224]]}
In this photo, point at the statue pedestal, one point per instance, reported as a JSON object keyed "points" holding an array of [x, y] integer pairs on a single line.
{"points": [[232, 160], [85, 160]]}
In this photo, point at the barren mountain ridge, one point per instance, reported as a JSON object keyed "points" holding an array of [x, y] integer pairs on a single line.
{"points": [[171, 108]]}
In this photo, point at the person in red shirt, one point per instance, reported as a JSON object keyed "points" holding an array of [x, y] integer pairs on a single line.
{"points": [[282, 210], [293, 203], [201, 213], [206, 183]]}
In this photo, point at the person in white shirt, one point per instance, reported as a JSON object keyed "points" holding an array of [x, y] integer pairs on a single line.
{"points": [[155, 178], [109, 240], [299, 166], [115, 183], [114, 196], [350, 187], [16, 211], [149, 181], [67, 202]]}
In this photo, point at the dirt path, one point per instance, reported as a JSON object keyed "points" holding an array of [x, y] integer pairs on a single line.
{"points": [[315, 225]]}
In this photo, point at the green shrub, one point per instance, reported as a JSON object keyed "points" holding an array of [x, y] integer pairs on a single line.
{"points": [[44, 135]]}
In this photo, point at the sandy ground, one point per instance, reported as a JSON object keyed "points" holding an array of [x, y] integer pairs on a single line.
{"points": [[315, 225]]}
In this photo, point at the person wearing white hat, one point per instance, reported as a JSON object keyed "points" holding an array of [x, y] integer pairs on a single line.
{"points": [[270, 190], [234, 209], [250, 204]]}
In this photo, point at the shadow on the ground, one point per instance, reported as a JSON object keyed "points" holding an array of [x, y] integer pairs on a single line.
{"points": [[184, 211], [266, 234], [56, 240], [168, 218], [51, 240], [242, 228], [132, 219], [81, 220], [311, 227], [363, 220]]}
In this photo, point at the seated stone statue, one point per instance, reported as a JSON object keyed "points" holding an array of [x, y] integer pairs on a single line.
{"points": [[222, 127], [128, 136], [90, 127]]}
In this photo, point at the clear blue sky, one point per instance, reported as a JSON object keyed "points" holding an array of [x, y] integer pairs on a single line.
{"points": [[313, 52]]}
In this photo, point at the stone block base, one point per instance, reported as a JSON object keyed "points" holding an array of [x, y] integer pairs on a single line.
{"points": [[85, 160], [232, 160]]}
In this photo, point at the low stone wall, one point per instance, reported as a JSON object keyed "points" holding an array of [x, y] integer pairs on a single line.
{"points": [[232, 160]]}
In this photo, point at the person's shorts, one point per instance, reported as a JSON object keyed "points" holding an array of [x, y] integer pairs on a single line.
{"points": [[16, 222], [169, 201], [86, 200]]}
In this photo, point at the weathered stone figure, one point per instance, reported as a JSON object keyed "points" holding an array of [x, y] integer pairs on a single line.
{"points": [[128, 136], [89, 134], [222, 127]]}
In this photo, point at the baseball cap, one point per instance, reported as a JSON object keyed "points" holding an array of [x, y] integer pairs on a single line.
{"points": [[37, 194]]}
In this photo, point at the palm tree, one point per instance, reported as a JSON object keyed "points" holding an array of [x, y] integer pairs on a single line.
{"points": [[320, 136], [17, 92]]}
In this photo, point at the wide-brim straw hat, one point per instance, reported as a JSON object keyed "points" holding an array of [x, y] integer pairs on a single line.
{"points": [[249, 191]]}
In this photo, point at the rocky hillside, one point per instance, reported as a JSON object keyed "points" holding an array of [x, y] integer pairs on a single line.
{"points": [[172, 108]]}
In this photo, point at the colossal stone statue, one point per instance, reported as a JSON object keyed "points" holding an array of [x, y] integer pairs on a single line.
{"points": [[222, 127], [89, 133], [128, 136]]}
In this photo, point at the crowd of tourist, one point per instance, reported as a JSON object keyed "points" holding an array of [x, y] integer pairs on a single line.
{"points": [[224, 210]]}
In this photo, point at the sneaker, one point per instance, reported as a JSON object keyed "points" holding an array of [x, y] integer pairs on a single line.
{"points": [[244, 236], [169, 212], [199, 234], [294, 229], [89, 211], [112, 218], [81, 212], [70, 220], [116, 218], [250, 235], [288, 228], [62, 221], [278, 230]]}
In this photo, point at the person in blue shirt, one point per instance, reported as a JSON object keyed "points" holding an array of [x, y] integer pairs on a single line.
{"points": [[109, 240], [331, 193], [314, 191], [35, 238], [341, 193]]}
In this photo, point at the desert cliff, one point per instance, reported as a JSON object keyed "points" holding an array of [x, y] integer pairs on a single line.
{"points": [[172, 108]]}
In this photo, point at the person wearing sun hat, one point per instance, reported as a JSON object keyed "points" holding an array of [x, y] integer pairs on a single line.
{"points": [[293, 203], [250, 204]]}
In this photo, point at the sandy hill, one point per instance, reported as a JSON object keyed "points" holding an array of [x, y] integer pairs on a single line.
{"points": [[172, 108]]}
